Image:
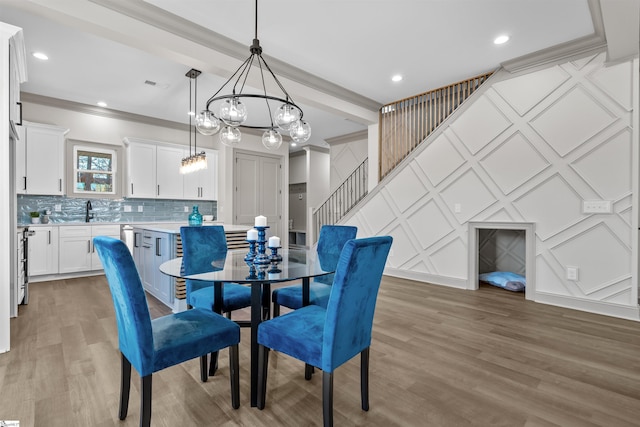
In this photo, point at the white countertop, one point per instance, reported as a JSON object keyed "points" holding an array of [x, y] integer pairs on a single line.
{"points": [[163, 227]]}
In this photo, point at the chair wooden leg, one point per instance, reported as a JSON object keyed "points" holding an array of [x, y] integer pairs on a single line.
{"points": [[263, 365], [213, 367], [125, 386], [364, 378], [234, 364], [327, 398], [203, 368], [145, 401]]}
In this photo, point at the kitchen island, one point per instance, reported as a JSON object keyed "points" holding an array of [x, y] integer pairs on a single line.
{"points": [[155, 243]]}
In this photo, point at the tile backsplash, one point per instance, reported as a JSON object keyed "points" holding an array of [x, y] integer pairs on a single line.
{"points": [[72, 209]]}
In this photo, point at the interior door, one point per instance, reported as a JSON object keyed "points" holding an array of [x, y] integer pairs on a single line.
{"points": [[258, 181]]}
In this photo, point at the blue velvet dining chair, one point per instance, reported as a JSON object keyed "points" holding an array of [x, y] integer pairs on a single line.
{"points": [[152, 345], [328, 337], [330, 242], [198, 244]]}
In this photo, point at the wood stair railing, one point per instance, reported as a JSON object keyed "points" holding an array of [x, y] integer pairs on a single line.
{"points": [[406, 123]]}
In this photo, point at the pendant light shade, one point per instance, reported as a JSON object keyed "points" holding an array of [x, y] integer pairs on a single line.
{"points": [[272, 139], [300, 132], [206, 123], [230, 136]]}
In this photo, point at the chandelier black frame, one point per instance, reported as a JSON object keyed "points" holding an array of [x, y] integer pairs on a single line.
{"points": [[299, 129]]}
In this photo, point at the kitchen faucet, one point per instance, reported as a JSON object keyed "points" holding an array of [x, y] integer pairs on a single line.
{"points": [[88, 209]]}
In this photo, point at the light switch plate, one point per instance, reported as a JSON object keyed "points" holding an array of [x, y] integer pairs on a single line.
{"points": [[572, 273], [57, 208], [186, 208], [140, 208], [127, 208], [596, 206]]}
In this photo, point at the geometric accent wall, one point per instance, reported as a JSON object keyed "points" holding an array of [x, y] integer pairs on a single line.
{"points": [[530, 148]]}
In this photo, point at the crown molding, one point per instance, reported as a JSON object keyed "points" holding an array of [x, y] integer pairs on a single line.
{"points": [[350, 137], [563, 52], [166, 21], [99, 111]]}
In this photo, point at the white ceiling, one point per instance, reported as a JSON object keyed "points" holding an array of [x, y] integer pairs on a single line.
{"points": [[345, 50]]}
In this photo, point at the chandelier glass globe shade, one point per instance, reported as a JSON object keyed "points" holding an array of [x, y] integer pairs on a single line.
{"points": [[230, 136], [206, 123]]}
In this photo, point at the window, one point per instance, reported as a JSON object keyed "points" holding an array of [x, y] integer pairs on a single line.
{"points": [[94, 170]]}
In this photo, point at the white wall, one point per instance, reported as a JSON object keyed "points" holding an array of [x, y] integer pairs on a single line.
{"points": [[298, 167], [346, 156], [530, 148]]}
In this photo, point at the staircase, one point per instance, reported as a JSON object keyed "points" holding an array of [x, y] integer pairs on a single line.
{"points": [[343, 199], [403, 126]]}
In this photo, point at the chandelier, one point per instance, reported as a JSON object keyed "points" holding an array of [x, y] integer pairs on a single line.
{"points": [[195, 161], [230, 111]]}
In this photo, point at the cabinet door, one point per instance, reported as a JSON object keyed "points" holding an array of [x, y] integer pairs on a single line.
{"points": [[141, 171], [203, 184], [169, 178], [43, 251], [101, 230], [21, 161], [208, 177], [45, 159], [75, 253], [147, 274], [162, 282]]}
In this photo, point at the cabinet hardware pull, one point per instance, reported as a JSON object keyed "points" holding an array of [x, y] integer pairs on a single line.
{"points": [[158, 246], [88, 246], [49, 238], [60, 184], [25, 182], [158, 189], [132, 188], [135, 240]]}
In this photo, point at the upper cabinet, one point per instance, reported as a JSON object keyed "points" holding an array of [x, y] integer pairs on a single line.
{"points": [[203, 184], [40, 159], [17, 70], [153, 172]]}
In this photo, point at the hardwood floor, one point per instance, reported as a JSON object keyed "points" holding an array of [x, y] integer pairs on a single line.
{"points": [[439, 357]]}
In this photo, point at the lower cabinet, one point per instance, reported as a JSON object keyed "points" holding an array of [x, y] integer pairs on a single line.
{"points": [[77, 253], [150, 249], [43, 251]]}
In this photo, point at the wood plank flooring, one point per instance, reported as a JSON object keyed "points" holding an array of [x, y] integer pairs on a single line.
{"points": [[440, 357]]}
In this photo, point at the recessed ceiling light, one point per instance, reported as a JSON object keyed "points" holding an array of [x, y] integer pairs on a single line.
{"points": [[40, 55], [501, 39], [293, 144], [102, 104], [396, 78], [191, 113]]}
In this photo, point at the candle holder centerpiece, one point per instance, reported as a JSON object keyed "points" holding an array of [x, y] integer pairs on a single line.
{"points": [[257, 238]]}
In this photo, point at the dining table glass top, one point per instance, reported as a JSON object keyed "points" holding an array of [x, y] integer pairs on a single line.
{"points": [[230, 266]]}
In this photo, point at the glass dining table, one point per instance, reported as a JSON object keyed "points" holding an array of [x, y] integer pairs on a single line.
{"points": [[231, 266]]}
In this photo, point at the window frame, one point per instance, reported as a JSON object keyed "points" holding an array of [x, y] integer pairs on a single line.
{"points": [[113, 172]]}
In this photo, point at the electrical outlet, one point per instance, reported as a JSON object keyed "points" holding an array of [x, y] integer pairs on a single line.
{"points": [[57, 208], [140, 208], [127, 208], [457, 208], [572, 273], [186, 208]]}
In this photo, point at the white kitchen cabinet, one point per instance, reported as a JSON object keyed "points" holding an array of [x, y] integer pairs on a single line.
{"points": [[153, 172], [141, 170], [40, 159], [43, 251], [203, 184], [109, 230], [151, 249], [169, 179], [77, 253]]}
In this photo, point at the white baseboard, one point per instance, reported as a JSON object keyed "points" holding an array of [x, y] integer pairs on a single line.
{"points": [[429, 278], [597, 307]]}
